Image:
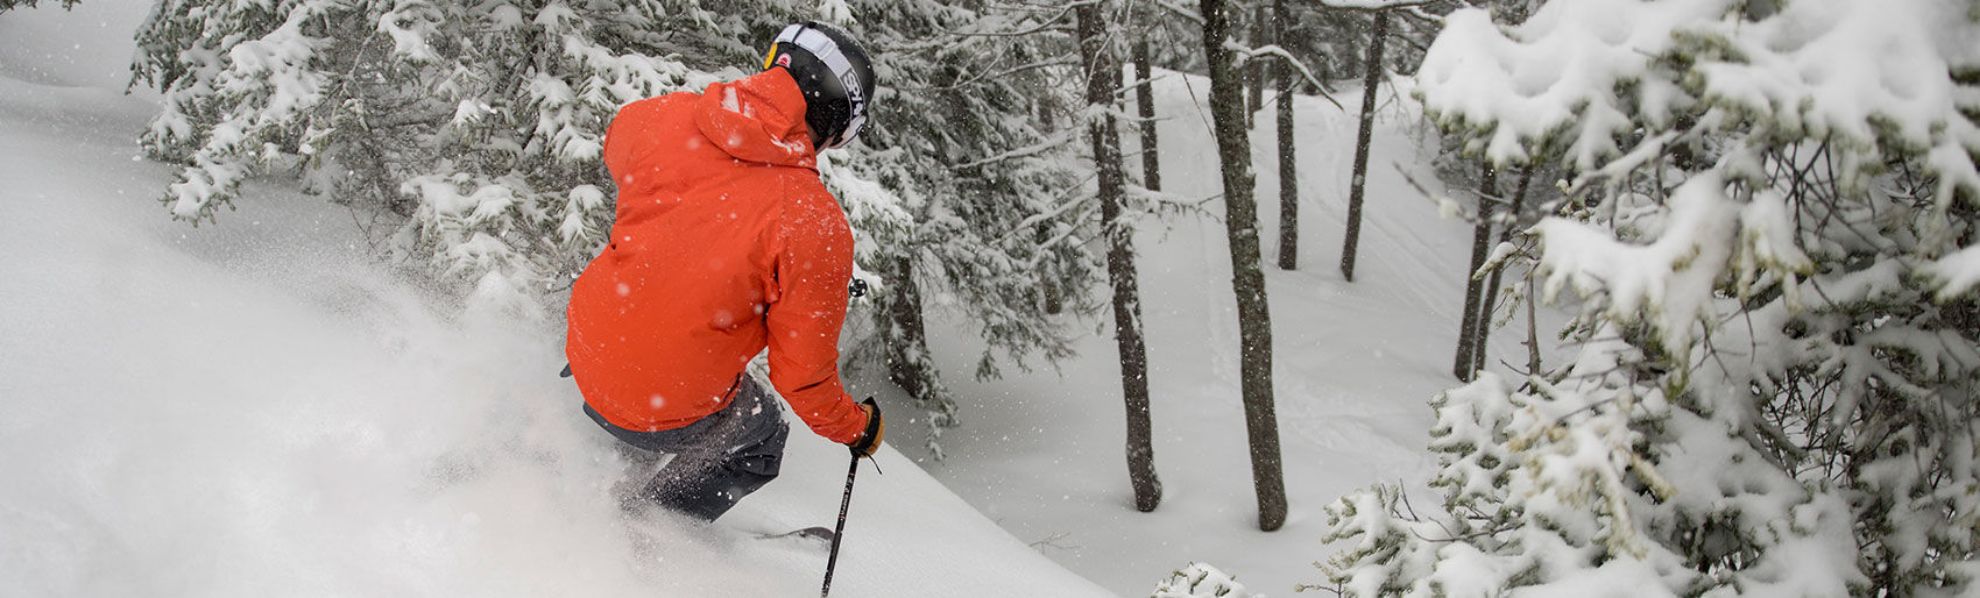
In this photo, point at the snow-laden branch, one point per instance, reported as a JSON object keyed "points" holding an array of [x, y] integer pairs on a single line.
{"points": [[1246, 53], [990, 75], [1041, 26], [1028, 150], [1954, 274], [1180, 10], [1419, 13], [1056, 211], [1372, 4]]}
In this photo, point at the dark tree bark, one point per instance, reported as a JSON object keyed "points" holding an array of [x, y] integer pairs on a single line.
{"points": [[1532, 331], [1481, 237], [1370, 78], [907, 361], [1255, 68], [1247, 278], [1481, 348], [1289, 82], [1051, 296], [1103, 77], [1144, 102]]}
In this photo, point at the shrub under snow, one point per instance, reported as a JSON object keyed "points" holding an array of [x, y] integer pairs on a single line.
{"points": [[1199, 580]]}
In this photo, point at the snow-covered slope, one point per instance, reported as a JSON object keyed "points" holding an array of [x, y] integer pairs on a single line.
{"points": [[1355, 366], [252, 409]]}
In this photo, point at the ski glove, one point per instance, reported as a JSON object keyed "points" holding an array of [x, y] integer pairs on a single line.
{"points": [[876, 430]]}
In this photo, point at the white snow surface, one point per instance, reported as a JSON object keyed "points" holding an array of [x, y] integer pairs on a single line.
{"points": [[255, 409]]}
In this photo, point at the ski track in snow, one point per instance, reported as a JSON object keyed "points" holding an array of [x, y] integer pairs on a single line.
{"points": [[253, 408]]}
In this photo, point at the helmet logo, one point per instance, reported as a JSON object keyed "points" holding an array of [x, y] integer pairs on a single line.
{"points": [[784, 60], [850, 80]]}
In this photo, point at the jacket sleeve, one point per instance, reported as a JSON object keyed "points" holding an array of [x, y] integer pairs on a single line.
{"points": [[812, 266]]}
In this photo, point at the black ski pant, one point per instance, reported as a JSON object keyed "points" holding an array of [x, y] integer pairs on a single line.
{"points": [[717, 460]]}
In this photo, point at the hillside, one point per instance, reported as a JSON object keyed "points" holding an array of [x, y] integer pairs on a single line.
{"points": [[252, 408]]}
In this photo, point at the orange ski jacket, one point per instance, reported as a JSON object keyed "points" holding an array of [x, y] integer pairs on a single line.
{"points": [[725, 241]]}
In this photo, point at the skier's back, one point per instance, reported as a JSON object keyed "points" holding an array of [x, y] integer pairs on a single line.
{"points": [[725, 242]]}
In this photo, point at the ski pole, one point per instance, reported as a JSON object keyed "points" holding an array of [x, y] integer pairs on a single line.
{"points": [[839, 532]]}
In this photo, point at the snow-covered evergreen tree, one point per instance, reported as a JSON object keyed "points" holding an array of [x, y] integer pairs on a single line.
{"points": [[7, 5], [985, 179], [1770, 226], [465, 139], [959, 191]]}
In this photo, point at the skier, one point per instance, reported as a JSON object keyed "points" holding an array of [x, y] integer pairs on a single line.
{"points": [[725, 242]]}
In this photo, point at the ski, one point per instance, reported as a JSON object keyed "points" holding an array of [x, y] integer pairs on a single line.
{"points": [[814, 533]]}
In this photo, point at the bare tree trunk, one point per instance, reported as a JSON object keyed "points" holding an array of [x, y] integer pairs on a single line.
{"points": [[1103, 76], [1532, 331], [1481, 237], [1371, 77], [909, 364], [1247, 278], [1288, 166], [1492, 288], [1255, 68], [907, 360], [1051, 296], [1144, 102]]}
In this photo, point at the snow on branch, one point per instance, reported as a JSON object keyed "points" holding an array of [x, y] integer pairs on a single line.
{"points": [[1372, 4], [1669, 281], [992, 76], [1042, 26], [1246, 53], [1955, 274], [1555, 78], [1028, 150], [1200, 580], [1180, 10]]}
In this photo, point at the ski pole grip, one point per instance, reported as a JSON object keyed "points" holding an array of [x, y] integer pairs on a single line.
{"points": [[876, 431]]}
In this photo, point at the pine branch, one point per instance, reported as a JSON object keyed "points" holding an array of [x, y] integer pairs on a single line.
{"points": [[1063, 138]]}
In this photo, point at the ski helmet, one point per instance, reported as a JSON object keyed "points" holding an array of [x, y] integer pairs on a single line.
{"points": [[834, 74]]}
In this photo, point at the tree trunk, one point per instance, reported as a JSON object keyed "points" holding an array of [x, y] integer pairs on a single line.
{"points": [[1050, 295], [907, 354], [1532, 331], [1481, 237], [1144, 102], [1052, 298], [1288, 167], [1371, 77], [1247, 278], [1255, 68], [1103, 76], [1492, 288]]}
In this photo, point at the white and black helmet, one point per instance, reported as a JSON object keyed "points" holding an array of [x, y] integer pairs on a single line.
{"points": [[835, 75]]}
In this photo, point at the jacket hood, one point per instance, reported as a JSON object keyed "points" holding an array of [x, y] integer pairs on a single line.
{"points": [[759, 118]]}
